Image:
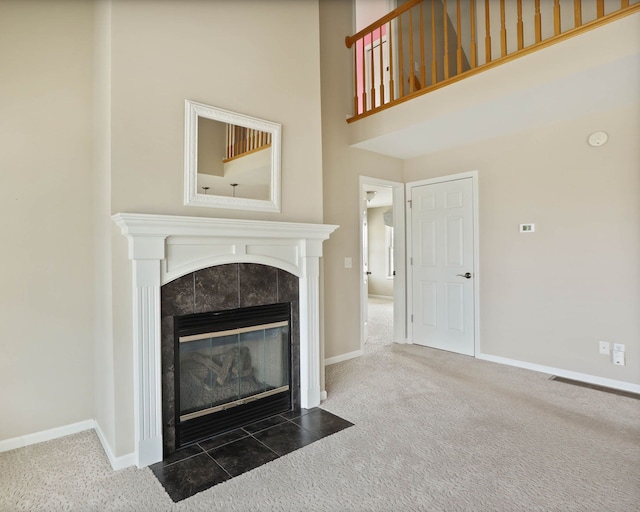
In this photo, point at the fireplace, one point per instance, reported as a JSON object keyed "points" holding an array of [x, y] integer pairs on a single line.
{"points": [[232, 368], [166, 251], [214, 323]]}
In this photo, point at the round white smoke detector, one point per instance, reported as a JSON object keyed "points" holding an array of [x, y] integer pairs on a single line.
{"points": [[597, 139]]}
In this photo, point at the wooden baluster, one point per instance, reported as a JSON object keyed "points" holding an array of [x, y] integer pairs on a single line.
{"points": [[392, 87], [364, 80], [577, 13], [487, 32], [556, 17], [459, 30], [446, 39], [434, 55], [624, 3], [423, 79], [372, 73], [600, 9], [381, 92], [503, 30], [355, 80], [520, 29], [400, 56], [474, 49], [538, 22], [412, 74]]}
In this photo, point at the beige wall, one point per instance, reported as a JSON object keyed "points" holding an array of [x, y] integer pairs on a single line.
{"points": [[46, 297], [548, 297], [379, 284], [342, 167], [253, 57]]}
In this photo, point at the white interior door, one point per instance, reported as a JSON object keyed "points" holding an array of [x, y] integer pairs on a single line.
{"points": [[442, 265]]}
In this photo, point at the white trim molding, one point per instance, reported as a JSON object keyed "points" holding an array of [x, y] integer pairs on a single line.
{"points": [[567, 374], [343, 357], [124, 461], [45, 435], [163, 248]]}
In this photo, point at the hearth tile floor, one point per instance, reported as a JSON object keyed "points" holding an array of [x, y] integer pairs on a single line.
{"points": [[202, 465]]}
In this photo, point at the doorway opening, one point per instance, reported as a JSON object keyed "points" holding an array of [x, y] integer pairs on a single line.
{"points": [[382, 298]]}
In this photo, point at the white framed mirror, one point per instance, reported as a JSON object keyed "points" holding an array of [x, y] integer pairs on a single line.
{"points": [[231, 160]]}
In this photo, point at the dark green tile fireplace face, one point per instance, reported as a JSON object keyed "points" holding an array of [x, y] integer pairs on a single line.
{"points": [[219, 288]]}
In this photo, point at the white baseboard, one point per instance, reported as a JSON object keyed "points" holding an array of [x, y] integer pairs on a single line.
{"points": [[387, 297], [58, 432], [567, 374], [124, 461], [343, 357], [45, 435]]}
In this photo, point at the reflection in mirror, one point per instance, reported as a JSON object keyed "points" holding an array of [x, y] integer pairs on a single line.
{"points": [[231, 160]]}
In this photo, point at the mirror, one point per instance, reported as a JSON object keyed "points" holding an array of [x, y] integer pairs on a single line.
{"points": [[231, 160]]}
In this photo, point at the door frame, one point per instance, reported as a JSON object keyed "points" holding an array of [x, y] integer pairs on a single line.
{"points": [[476, 250], [399, 254]]}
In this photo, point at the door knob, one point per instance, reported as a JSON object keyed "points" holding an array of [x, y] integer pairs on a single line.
{"points": [[368, 273], [467, 275]]}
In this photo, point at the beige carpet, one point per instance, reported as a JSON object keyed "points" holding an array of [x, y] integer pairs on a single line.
{"points": [[380, 320], [433, 431]]}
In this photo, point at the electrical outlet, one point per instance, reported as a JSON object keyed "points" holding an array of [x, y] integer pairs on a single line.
{"points": [[618, 358], [604, 347], [618, 347]]}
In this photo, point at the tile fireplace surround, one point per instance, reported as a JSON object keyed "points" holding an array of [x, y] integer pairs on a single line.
{"points": [[163, 248]]}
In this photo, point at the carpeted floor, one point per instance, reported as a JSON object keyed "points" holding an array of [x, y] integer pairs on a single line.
{"points": [[434, 431], [380, 321]]}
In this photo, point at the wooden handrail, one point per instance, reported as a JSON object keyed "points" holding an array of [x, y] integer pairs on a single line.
{"points": [[417, 45], [349, 40]]}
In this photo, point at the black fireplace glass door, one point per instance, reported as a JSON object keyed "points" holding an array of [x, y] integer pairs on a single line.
{"points": [[220, 370]]}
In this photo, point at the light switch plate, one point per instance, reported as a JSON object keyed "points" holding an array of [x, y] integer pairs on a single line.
{"points": [[604, 347], [618, 358]]}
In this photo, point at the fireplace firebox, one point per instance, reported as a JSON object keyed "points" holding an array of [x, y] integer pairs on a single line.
{"points": [[233, 367]]}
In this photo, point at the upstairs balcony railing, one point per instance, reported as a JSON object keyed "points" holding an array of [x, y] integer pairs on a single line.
{"points": [[426, 44], [242, 141]]}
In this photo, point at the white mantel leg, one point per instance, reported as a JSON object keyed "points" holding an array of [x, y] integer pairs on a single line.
{"points": [[146, 254], [310, 334], [147, 367]]}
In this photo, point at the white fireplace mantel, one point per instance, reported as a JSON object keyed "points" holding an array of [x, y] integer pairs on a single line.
{"points": [[164, 247]]}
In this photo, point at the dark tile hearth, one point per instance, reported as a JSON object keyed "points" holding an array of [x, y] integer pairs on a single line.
{"points": [[202, 465]]}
